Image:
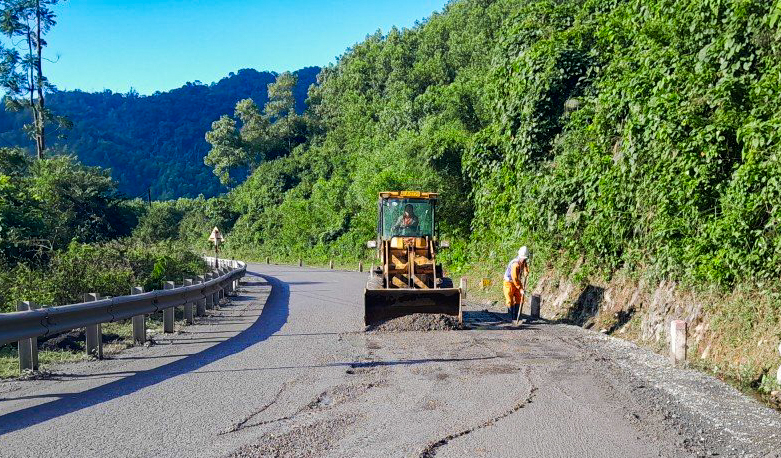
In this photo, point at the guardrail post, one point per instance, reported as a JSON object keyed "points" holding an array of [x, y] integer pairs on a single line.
{"points": [[189, 316], [216, 295], [360, 266], [139, 321], [200, 306], [94, 332], [168, 314], [677, 341], [209, 297], [463, 287], [28, 348]]}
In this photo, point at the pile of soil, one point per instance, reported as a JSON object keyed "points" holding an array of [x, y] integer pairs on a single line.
{"points": [[72, 341], [417, 322]]}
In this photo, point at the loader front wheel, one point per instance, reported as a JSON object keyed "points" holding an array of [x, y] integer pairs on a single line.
{"points": [[446, 283], [375, 282]]}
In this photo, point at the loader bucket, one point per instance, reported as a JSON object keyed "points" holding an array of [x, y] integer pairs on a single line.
{"points": [[385, 304]]}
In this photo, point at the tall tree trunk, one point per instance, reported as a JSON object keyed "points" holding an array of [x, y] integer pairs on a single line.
{"points": [[31, 88], [39, 133]]}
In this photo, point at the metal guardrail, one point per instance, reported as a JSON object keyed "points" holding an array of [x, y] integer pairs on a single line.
{"points": [[16, 326]]}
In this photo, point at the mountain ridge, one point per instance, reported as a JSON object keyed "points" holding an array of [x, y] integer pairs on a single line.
{"points": [[151, 141]]}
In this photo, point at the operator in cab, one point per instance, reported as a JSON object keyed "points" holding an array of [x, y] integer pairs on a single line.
{"points": [[407, 221], [515, 281]]}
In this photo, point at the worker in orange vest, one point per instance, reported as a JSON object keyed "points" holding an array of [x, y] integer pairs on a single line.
{"points": [[515, 281]]}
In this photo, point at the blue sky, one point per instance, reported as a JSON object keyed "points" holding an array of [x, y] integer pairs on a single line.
{"points": [[160, 45]]}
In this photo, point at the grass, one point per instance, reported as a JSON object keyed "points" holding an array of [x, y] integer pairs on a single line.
{"points": [[117, 336]]}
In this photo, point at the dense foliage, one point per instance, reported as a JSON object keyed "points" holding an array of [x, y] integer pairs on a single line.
{"points": [[48, 203], [633, 133], [109, 268], [152, 141], [64, 231]]}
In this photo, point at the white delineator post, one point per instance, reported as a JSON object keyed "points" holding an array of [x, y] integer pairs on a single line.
{"points": [[677, 341], [463, 287]]}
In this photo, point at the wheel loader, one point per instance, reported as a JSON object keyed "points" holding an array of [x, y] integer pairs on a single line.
{"points": [[408, 279]]}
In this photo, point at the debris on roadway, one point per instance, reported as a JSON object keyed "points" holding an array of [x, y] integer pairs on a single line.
{"points": [[417, 322]]}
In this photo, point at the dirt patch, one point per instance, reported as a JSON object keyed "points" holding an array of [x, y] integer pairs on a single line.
{"points": [[70, 341], [311, 440], [417, 322]]}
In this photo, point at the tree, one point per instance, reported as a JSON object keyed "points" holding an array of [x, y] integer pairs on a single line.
{"points": [[262, 136], [227, 151], [21, 74]]}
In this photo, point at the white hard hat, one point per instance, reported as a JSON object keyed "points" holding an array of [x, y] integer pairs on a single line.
{"points": [[523, 253]]}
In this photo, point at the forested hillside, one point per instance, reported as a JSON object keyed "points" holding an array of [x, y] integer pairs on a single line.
{"points": [[152, 141], [630, 133]]}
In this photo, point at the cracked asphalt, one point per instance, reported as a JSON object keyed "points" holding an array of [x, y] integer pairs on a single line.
{"points": [[286, 370]]}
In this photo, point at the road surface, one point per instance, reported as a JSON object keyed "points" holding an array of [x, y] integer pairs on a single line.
{"points": [[286, 370]]}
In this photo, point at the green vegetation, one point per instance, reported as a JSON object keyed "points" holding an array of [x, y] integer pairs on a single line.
{"points": [[154, 141], [65, 231], [635, 134]]}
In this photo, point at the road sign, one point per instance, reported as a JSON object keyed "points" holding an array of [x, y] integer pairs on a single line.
{"points": [[216, 237]]}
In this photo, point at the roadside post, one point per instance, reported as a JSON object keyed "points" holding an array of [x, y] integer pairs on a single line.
{"points": [[189, 315], [201, 304], [28, 348], [462, 287], [94, 332], [168, 314], [536, 302], [139, 321], [678, 341]]}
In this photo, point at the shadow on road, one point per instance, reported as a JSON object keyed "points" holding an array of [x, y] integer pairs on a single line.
{"points": [[271, 320]]}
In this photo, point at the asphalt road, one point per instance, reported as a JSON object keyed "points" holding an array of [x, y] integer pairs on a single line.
{"points": [[286, 370]]}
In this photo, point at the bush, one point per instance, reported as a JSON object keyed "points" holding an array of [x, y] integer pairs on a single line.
{"points": [[109, 269]]}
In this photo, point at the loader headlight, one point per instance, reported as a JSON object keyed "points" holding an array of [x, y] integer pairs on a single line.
{"points": [[444, 244], [371, 244]]}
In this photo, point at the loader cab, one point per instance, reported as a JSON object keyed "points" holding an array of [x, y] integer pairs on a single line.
{"points": [[418, 213], [392, 206]]}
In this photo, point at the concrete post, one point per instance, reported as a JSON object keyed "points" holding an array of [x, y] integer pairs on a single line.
{"points": [[139, 321], [200, 306], [34, 340], [189, 313], [331, 264], [268, 260], [360, 266], [536, 302], [217, 294], [300, 262], [678, 341], [463, 287], [168, 314], [28, 348], [94, 333]]}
